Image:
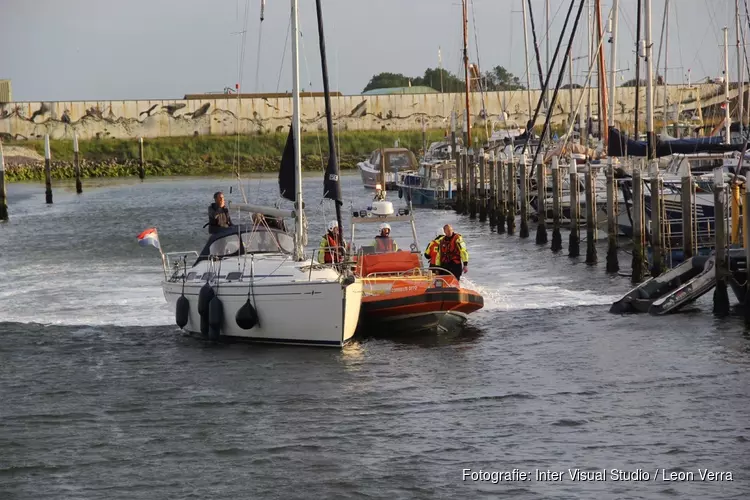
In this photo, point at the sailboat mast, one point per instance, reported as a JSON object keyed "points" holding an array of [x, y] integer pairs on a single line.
{"points": [[526, 55], [638, 56], [603, 121], [466, 72], [299, 237], [613, 66], [740, 79], [727, 117], [666, 52], [650, 138], [547, 36]]}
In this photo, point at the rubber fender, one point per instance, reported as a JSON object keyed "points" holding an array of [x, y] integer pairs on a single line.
{"points": [[400, 193], [204, 297], [247, 317], [204, 325], [182, 311], [215, 318]]}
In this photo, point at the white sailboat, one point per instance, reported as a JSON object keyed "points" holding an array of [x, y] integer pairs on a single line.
{"points": [[252, 281]]}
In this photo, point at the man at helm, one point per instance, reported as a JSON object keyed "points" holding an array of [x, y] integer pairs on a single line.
{"points": [[432, 253], [453, 254], [383, 242], [330, 250]]}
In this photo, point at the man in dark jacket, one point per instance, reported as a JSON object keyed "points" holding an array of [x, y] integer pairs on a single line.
{"points": [[218, 214]]}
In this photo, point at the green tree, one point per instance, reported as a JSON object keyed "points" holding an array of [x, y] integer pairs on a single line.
{"points": [[387, 80], [499, 78], [432, 78]]}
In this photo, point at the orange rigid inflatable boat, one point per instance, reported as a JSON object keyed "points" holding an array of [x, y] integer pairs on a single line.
{"points": [[398, 290]]}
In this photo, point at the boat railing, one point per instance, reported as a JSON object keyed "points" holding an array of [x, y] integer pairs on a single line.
{"points": [[172, 260], [338, 266], [416, 272]]}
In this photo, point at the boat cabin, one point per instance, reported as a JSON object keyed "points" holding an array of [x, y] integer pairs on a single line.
{"points": [[396, 159]]}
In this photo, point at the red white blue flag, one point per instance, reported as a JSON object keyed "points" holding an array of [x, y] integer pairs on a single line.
{"points": [[149, 237]]}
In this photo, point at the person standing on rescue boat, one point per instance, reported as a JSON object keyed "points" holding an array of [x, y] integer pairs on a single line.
{"points": [[329, 251], [432, 252], [218, 214], [383, 242], [453, 254]]}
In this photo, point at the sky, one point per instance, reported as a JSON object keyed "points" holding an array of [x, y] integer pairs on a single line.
{"points": [[62, 50]]}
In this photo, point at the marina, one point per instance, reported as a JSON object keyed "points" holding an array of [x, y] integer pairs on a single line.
{"points": [[450, 285]]}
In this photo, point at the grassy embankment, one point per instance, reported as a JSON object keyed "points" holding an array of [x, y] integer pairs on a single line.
{"points": [[206, 155]]}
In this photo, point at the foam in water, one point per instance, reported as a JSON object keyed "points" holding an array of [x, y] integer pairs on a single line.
{"points": [[514, 297]]}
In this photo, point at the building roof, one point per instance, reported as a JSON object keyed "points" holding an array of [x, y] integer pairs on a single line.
{"points": [[402, 90]]}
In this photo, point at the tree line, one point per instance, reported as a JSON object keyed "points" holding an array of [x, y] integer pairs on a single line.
{"points": [[441, 80]]}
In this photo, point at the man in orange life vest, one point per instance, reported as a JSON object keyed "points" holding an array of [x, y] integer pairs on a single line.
{"points": [[432, 253], [453, 254], [383, 242], [330, 251]]}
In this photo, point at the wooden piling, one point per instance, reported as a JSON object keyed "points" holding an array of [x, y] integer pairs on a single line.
{"points": [[574, 242], [47, 170], [3, 190], [510, 214], [142, 161], [502, 197], [591, 257], [523, 198], [556, 191], [77, 164], [472, 186], [613, 266], [457, 159], [746, 231], [721, 297], [467, 189], [656, 224], [492, 200], [482, 196], [638, 218], [541, 204], [687, 195]]}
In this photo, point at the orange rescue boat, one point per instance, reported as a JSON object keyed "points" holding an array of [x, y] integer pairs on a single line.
{"points": [[398, 290]]}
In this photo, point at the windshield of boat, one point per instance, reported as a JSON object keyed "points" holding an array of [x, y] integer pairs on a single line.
{"points": [[258, 241], [399, 160]]}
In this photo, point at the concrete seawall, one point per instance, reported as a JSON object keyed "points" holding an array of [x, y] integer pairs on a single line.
{"points": [[226, 115]]}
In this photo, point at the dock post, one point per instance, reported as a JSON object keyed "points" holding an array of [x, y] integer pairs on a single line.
{"points": [[482, 198], [47, 170], [556, 189], [492, 201], [502, 197], [656, 223], [77, 164], [746, 237], [687, 195], [524, 231], [638, 218], [467, 188], [472, 185], [142, 162], [510, 216], [574, 243], [721, 297], [591, 257], [456, 158], [613, 266], [3, 190], [541, 204]]}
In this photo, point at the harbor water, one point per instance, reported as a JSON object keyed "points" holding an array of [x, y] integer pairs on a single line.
{"points": [[102, 397]]}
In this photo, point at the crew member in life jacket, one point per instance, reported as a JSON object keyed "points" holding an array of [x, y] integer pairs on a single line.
{"points": [[330, 252], [432, 253], [218, 214], [383, 242], [453, 254]]}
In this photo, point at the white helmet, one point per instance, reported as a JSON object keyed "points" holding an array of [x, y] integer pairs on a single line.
{"points": [[385, 225], [332, 225]]}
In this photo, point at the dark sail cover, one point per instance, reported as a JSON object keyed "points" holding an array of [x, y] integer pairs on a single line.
{"points": [[286, 172], [331, 184], [621, 145]]}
